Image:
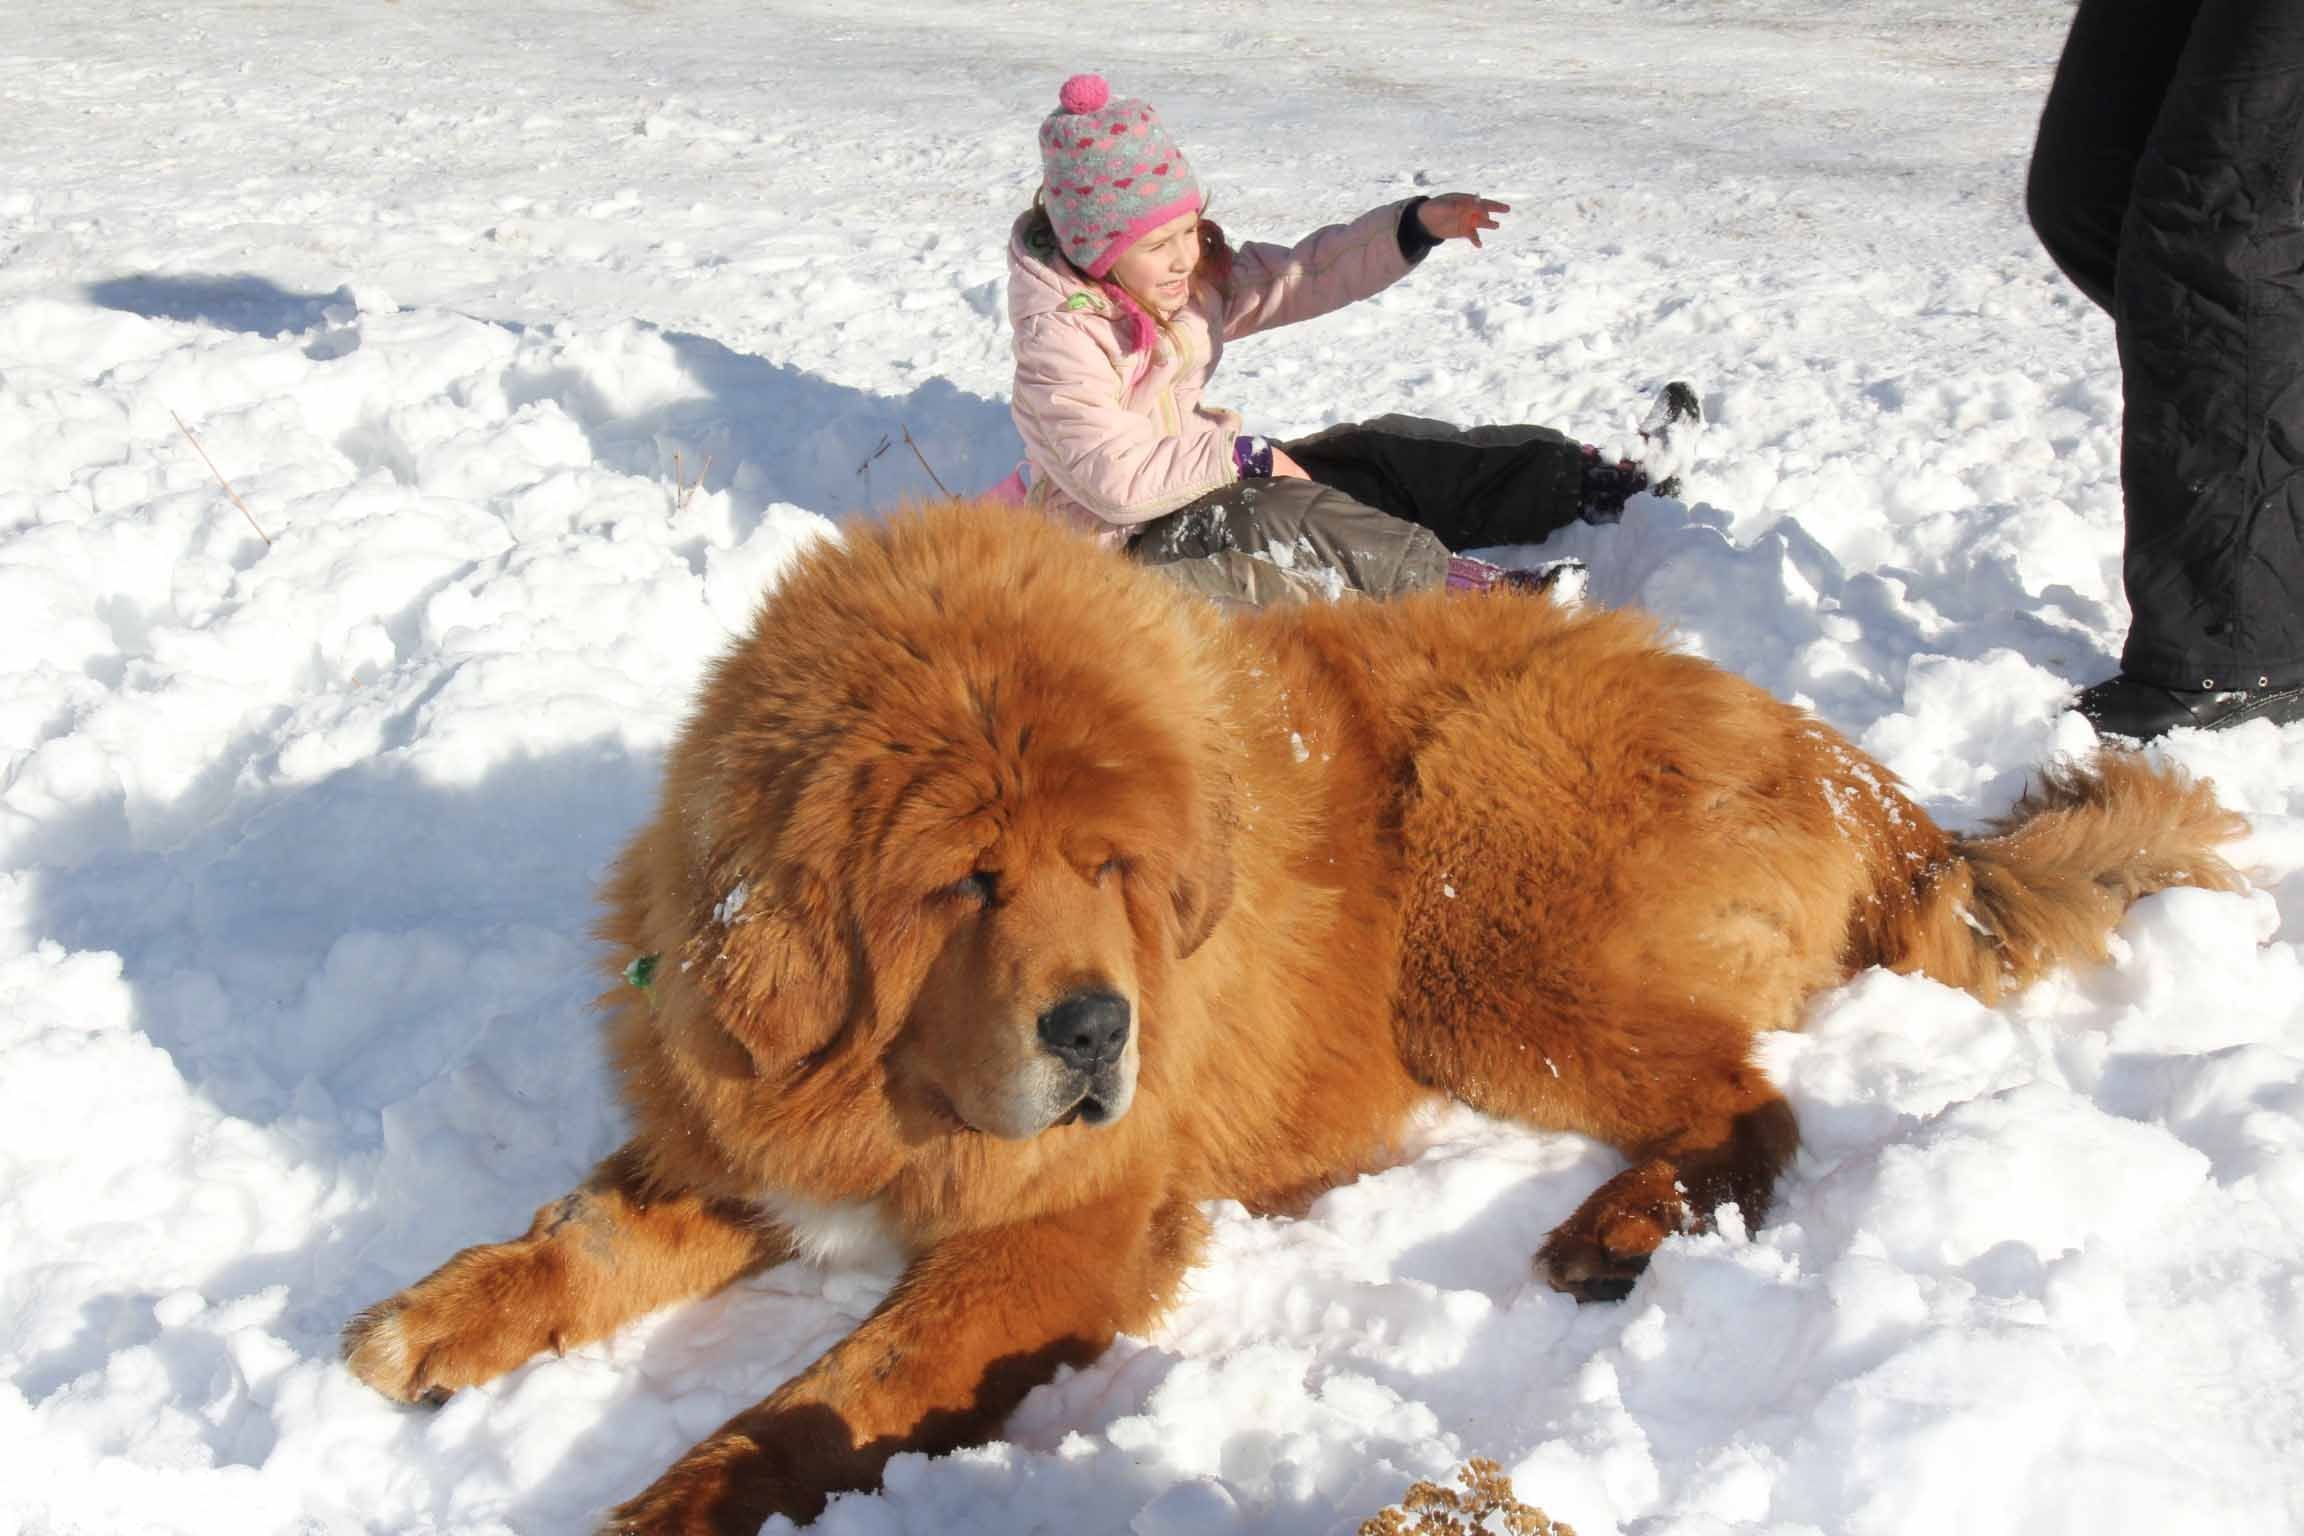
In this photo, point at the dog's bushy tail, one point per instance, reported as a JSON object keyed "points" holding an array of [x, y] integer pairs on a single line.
{"points": [[2045, 887]]}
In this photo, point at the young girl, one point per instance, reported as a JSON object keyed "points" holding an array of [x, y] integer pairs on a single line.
{"points": [[1122, 298]]}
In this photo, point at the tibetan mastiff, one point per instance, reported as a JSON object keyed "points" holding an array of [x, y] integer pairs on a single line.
{"points": [[1006, 905]]}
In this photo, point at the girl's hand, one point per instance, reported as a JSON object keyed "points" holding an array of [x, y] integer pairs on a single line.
{"points": [[1459, 216], [1286, 468]]}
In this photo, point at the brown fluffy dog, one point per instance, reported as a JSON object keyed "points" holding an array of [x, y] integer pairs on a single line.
{"points": [[1008, 905]]}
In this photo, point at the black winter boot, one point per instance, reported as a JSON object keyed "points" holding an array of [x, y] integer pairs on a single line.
{"points": [[1607, 486], [1669, 431], [1666, 448], [2124, 706]]}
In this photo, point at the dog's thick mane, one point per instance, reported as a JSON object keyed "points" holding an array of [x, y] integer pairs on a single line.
{"points": [[948, 666]]}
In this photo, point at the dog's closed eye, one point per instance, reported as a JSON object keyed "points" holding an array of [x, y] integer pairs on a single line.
{"points": [[980, 888]]}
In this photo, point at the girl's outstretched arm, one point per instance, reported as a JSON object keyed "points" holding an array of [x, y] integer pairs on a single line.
{"points": [[1280, 285], [1275, 285]]}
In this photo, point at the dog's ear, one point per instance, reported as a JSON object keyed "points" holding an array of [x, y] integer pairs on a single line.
{"points": [[751, 965], [778, 971], [1203, 890], [764, 936]]}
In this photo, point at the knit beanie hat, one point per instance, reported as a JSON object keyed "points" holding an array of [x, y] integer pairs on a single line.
{"points": [[1110, 174]]}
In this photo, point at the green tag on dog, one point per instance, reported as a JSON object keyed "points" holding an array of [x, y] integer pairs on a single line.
{"points": [[641, 973]]}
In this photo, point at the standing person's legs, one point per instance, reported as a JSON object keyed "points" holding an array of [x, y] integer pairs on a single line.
{"points": [[2209, 304], [2116, 65]]}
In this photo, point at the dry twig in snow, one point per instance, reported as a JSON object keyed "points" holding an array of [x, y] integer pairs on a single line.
{"points": [[220, 480]]}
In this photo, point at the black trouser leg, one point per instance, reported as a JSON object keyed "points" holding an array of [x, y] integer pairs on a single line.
{"points": [[2206, 290], [2116, 65], [1474, 487], [2209, 300]]}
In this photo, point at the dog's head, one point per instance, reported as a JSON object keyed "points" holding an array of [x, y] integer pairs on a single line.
{"points": [[950, 814], [1037, 922]]}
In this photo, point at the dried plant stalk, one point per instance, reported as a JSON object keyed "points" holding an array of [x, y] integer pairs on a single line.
{"points": [[683, 488], [220, 480], [1485, 1506]]}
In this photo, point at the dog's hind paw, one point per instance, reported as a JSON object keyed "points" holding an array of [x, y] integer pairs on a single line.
{"points": [[1588, 1272], [1599, 1253]]}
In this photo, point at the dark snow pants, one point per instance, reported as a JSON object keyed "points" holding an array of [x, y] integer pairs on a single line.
{"points": [[2167, 182], [1387, 500]]}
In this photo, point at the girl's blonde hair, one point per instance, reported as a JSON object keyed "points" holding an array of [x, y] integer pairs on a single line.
{"points": [[1213, 269]]}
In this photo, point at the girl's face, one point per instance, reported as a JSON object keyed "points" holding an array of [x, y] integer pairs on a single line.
{"points": [[1157, 269]]}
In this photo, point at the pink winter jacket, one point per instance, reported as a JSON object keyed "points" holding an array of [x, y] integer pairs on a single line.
{"points": [[1117, 438]]}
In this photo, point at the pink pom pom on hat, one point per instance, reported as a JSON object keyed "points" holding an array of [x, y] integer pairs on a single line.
{"points": [[1084, 93], [1109, 173]]}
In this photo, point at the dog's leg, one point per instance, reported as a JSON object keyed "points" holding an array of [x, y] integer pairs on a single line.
{"points": [[1697, 1142], [975, 1324], [601, 1256], [1673, 1087]]}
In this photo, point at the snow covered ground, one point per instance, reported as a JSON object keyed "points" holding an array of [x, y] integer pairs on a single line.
{"points": [[466, 298]]}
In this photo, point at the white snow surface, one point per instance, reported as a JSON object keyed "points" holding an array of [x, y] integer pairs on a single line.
{"points": [[537, 338]]}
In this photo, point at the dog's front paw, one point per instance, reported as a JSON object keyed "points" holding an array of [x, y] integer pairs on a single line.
{"points": [[1598, 1253], [479, 1315], [377, 1350]]}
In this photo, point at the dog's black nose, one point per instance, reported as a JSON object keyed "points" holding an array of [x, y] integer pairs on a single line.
{"points": [[1087, 1030]]}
